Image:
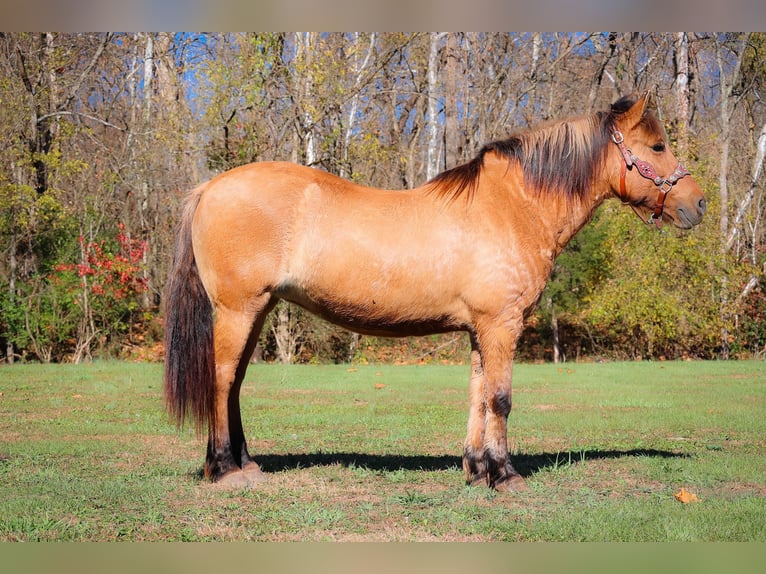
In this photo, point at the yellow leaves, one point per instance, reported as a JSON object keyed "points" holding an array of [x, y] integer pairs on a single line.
{"points": [[685, 497]]}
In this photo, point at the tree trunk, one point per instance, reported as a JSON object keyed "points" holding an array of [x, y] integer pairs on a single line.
{"points": [[359, 70], [558, 353], [432, 110], [304, 44], [287, 331], [12, 271], [747, 200], [727, 105], [682, 90], [452, 155], [147, 171]]}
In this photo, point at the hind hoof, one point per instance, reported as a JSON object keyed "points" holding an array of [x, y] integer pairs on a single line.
{"points": [[254, 473], [477, 480], [514, 483]]}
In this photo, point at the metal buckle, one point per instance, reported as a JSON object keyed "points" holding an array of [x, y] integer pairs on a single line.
{"points": [[656, 221]]}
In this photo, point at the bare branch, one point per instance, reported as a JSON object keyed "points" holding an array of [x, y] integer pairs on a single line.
{"points": [[82, 115], [744, 205], [86, 71]]}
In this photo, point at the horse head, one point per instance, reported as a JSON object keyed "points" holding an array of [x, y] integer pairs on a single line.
{"points": [[649, 177]]}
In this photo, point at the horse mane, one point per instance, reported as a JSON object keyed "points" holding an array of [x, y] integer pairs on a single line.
{"points": [[560, 158]]}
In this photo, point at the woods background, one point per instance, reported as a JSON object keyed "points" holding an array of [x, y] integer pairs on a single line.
{"points": [[101, 136]]}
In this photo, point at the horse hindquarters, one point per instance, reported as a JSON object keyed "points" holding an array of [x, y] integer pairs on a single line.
{"points": [[205, 361]]}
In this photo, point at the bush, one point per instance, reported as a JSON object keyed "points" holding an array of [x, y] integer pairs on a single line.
{"points": [[75, 308]]}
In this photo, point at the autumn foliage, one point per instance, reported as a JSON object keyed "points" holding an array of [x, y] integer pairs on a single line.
{"points": [[110, 276], [87, 305]]}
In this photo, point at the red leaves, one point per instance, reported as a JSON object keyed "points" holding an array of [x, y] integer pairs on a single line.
{"points": [[112, 276]]}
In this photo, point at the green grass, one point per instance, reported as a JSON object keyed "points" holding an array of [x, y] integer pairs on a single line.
{"points": [[88, 454]]}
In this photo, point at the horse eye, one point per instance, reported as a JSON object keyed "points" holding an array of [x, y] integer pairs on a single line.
{"points": [[658, 147]]}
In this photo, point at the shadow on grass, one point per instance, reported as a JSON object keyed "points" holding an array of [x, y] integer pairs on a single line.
{"points": [[525, 464]]}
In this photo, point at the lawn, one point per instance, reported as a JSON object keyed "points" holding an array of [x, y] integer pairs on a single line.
{"points": [[372, 453]]}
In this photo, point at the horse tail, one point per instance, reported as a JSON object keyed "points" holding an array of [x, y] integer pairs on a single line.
{"points": [[189, 351]]}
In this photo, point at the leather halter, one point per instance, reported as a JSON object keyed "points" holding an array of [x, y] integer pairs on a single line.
{"points": [[646, 170]]}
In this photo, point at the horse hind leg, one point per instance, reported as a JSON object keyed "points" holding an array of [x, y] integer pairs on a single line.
{"points": [[228, 461], [247, 463]]}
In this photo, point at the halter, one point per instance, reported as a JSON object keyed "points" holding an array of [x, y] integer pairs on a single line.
{"points": [[647, 171]]}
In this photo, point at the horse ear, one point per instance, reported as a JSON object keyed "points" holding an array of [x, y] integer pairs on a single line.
{"points": [[638, 109], [650, 99]]}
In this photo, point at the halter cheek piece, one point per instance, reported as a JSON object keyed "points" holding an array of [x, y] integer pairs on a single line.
{"points": [[646, 170]]}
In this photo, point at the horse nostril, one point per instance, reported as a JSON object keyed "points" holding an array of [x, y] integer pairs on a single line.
{"points": [[702, 205]]}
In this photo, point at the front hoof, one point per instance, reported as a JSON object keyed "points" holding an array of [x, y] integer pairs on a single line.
{"points": [[512, 483], [239, 479]]}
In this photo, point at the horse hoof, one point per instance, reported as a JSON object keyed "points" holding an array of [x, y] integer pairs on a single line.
{"points": [[254, 473], [240, 479], [478, 480], [514, 483]]}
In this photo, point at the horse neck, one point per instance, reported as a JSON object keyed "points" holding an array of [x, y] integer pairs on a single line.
{"points": [[562, 218]]}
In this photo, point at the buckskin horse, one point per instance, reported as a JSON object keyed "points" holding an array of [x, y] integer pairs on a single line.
{"points": [[471, 250]]}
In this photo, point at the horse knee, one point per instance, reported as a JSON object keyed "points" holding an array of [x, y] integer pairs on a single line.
{"points": [[500, 403]]}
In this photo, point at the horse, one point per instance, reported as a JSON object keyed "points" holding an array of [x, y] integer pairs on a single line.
{"points": [[470, 250]]}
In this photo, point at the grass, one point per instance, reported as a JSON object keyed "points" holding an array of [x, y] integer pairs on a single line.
{"points": [[373, 453]]}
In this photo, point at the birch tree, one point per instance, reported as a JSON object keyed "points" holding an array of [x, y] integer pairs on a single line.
{"points": [[682, 91], [360, 68], [433, 95]]}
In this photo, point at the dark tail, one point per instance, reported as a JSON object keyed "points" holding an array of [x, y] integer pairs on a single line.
{"points": [[189, 352]]}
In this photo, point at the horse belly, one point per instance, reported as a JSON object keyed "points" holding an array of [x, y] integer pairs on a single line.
{"points": [[386, 295], [376, 317]]}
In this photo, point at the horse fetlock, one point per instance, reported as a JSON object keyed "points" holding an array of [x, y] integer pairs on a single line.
{"points": [[219, 462], [501, 474], [474, 466]]}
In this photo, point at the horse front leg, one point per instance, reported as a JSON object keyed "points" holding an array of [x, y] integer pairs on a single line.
{"points": [[497, 350], [474, 462]]}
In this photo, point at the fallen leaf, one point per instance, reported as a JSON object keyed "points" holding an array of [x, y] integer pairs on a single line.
{"points": [[379, 386], [351, 370], [685, 496]]}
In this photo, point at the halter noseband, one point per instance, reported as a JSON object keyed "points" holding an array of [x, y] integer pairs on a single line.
{"points": [[647, 171]]}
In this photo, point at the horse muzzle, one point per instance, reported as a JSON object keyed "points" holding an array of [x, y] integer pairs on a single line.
{"points": [[687, 216]]}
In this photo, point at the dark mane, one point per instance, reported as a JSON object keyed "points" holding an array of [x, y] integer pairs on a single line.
{"points": [[561, 158]]}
